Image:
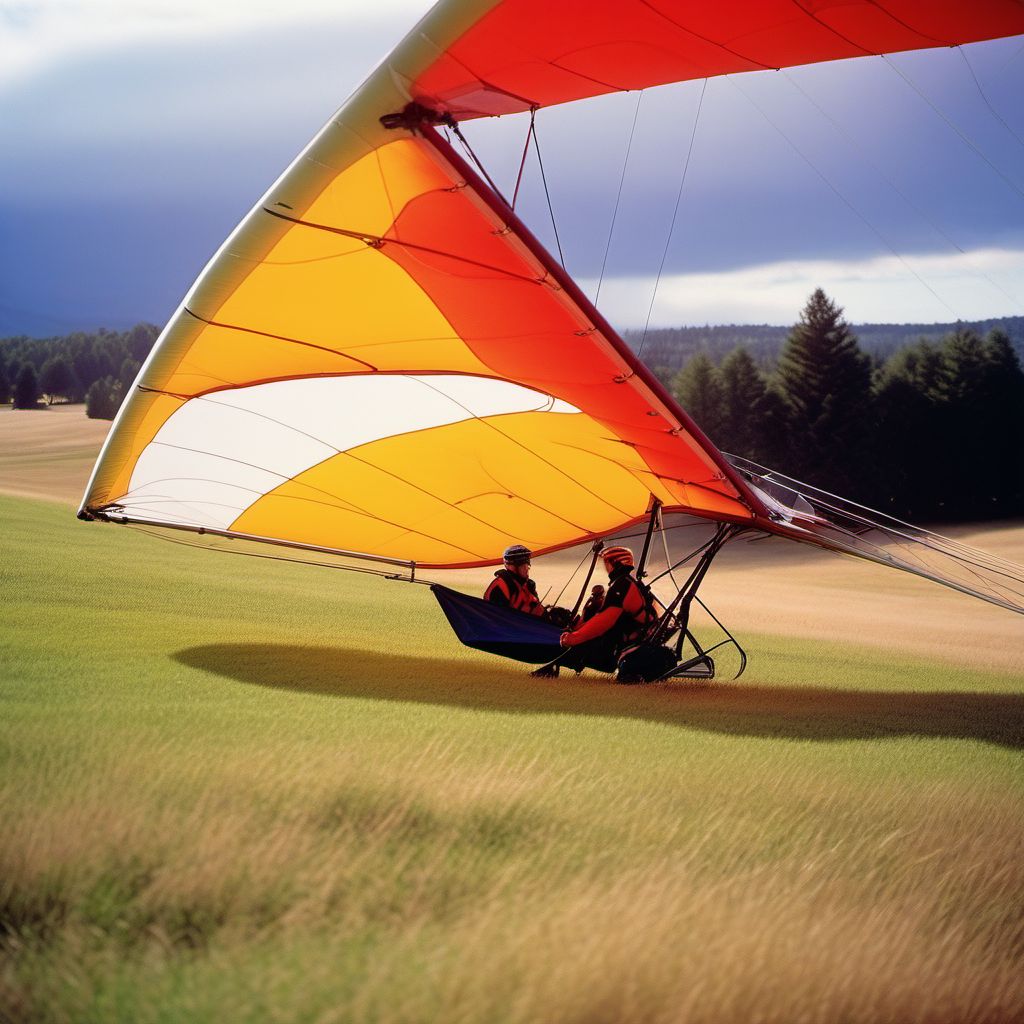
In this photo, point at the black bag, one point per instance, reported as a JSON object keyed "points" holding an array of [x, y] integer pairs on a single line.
{"points": [[644, 663], [560, 617]]}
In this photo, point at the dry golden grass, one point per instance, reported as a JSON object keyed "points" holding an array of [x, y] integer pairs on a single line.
{"points": [[48, 452], [495, 897]]}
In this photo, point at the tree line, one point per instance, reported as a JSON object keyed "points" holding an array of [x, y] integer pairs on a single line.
{"points": [[934, 432], [668, 349], [97, 368]]}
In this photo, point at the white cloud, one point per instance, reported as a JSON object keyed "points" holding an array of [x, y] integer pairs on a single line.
{"points": [[38, 34], [981, 284]]}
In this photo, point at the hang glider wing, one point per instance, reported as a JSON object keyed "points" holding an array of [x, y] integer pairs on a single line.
{"points": [[381, 359]]}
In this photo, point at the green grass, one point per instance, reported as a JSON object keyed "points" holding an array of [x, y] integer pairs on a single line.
{"points": [[245, 790]]}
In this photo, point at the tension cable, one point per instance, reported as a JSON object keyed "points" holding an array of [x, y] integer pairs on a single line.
{"points": [[522, 162], [857, 151], [547, 193], [476, 160], [618, 197], [981, 92], [844, 199], [966, 139], [672, 223]]}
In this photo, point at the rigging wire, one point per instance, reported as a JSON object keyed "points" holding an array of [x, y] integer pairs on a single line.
{"points": [[981, 92], [547, 193], [522, 162], [618, 197], [854, 148], [565, 586], [158, 535], [672, 223], [476, 160], [1016, 188], [846, 202]]}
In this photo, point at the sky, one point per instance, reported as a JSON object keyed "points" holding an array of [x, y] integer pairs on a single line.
{"points": [[137, 133]]}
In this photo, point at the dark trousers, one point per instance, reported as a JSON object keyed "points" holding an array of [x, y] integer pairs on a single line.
{"points": [[600, 654]]}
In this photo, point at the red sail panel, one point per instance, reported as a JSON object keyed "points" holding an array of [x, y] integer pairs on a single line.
{"points": [[534, 53]]}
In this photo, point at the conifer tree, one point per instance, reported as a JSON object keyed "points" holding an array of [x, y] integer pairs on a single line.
{"points": [[1004, 390], [698, 389], [744, 394], [912, 463], [982, 392], [825, 380]]}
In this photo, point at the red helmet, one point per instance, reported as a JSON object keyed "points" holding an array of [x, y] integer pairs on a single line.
{"points": [[618, 556]]}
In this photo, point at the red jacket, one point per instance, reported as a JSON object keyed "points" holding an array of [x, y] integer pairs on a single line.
{"points": [[513, 591], [626, 610]]}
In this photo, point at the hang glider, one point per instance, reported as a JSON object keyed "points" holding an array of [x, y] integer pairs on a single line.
{"points": [[383, 362]]}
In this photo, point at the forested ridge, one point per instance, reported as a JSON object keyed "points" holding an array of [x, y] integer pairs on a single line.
{"points": [[929, 429], [668, 349]]}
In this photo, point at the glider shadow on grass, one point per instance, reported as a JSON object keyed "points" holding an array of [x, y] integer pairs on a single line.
{"points": [[802, 713]]}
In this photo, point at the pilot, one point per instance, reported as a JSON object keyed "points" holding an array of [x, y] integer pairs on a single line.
{"points": [[512, 586], [624, 617]]}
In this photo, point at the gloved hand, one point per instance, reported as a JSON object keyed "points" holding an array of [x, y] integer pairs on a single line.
{"points": [[566, 640]]}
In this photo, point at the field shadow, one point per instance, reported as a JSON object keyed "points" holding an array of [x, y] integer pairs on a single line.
{"points": [[804, 713]]}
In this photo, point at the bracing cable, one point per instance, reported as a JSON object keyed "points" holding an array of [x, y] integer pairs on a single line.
{"points": [[981, 92], [522, 162], [672, 223], [618, 197], [843, 198], [858, 151], [965, 138], [547, 193]]}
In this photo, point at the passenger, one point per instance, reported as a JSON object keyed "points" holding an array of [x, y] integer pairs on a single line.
{"points": [[594, 603], [625, 616], [512, 586]]}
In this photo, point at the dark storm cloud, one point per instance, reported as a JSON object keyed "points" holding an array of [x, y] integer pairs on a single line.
{"points": [[125, 169]]}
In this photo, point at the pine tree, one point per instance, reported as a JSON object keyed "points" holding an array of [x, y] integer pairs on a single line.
{"points": [[744, 394], [698, 389], [825, 380], [983, 396], [1004, 403], [912, 462]]}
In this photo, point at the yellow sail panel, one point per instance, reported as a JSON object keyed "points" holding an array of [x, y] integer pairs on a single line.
{"points": [[533, 485]]}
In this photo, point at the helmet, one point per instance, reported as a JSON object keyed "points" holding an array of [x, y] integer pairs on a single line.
{"points": [[517, 554], [617, 556]]}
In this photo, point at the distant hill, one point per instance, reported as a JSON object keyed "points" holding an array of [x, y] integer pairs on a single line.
{"points": [[671, 347]]}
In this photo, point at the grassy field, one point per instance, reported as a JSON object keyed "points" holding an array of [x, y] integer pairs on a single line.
{"points": [[239, 790]]}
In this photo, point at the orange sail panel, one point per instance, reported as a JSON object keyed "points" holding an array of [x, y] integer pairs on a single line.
{"points": [[403, 378]]}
